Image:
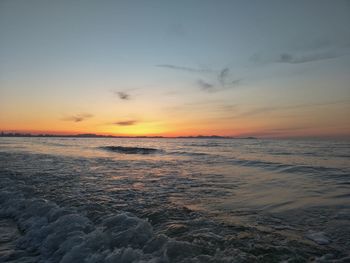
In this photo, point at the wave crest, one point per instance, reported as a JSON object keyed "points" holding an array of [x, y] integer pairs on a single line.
{"points": [[130, 150]]}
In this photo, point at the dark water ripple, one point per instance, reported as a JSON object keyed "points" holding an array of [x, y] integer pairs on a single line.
{"points": [[130, 150], [231, 202]]}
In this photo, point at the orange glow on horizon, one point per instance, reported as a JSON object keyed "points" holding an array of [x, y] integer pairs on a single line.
{"points": [[148, 133], [310, 124]]}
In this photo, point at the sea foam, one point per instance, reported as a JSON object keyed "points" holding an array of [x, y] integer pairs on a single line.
{"points": [[60, 234]]}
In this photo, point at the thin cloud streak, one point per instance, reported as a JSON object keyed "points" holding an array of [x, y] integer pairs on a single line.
{"points": [[206, 86], [223, 76], [122, 95], [221, 83], [126, 123], [263, 110], [211, 88], [182, 68], [78, 117], [292, 59]]}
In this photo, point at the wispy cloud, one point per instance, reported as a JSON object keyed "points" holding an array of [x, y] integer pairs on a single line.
{"points": [[293, 59], [78, 117], [126, 123], [122, 95], [221, 82], [183, 68], [223, 76], [206, 86], [224, 82], [264, 110]]}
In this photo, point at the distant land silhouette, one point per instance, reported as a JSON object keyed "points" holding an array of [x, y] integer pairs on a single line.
{"points": [[92, 135]]}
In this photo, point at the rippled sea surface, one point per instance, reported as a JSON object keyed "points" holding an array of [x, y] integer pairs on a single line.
{"points": [[174, 200]]}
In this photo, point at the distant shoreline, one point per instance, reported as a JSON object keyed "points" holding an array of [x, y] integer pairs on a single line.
{"points": [[112, 136]]}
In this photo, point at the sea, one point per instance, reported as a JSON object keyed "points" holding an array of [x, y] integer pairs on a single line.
{"points": [[174, 200]]}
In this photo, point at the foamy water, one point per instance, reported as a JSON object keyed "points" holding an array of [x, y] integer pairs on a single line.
{"points": [[174, 200]]}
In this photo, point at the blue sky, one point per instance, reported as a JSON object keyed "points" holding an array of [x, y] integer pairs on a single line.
{"points": [[223, 67]]}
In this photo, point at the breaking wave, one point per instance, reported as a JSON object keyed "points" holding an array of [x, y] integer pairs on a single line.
{"points": [[130, 150]]}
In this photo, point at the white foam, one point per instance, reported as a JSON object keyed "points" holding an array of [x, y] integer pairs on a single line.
{"points": [[63, 235]]}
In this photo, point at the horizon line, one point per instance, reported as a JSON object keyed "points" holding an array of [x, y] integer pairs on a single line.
{"points": [[198, 136], [93, 135]]}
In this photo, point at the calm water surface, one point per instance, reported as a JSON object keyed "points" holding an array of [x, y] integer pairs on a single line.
{"points": [[263, 194]]}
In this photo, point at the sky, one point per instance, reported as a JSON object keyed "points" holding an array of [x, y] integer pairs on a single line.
{"points": [[176, 68]]}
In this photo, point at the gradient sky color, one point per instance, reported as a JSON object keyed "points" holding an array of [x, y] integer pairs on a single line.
{"points": [[240, 68]]}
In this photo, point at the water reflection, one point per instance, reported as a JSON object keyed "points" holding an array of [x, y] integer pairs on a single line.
{"points": [[285, 186]]}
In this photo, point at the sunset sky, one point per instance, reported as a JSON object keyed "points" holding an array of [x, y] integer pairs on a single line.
{"points": [[240, 68]]}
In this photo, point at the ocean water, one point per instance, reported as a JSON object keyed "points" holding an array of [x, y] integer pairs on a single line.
{"points": [[174, 200]]}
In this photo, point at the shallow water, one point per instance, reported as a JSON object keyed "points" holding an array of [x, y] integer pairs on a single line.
{"points": [[222, 200]]}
